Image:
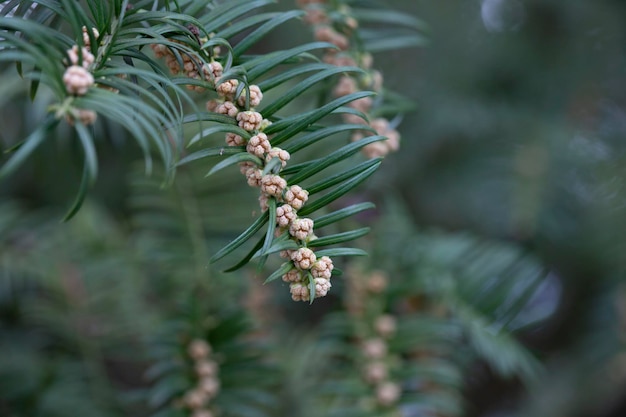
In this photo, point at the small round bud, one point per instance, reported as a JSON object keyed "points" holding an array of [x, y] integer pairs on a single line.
{"points": [[77, 80], [249, 120], [296, 196], [377, 282], [293, 275], [299, 292], [326, 33], [375, 372], [259, 145], [301, 229], [255, 96], [385, 325], [315, 16], [227, 89], [273, 185], [85, 116], [211, 105], [388, 393], [322, 286], [254, 177], [160, 50], [346, 85], [209, 386], [322, 268], [285, 214], [212, 71], [75, 55], [86, 39], [190, 68], [374, 348], [279, 153], [303, 258], [195, 399], [245, 166], [382, 127], [227, 108], [393, 140], [351, 22], [198, 349], [233, 139], [206, 368]]}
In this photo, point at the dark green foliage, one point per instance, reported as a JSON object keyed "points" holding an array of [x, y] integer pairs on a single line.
{"points": [[495, 244]]}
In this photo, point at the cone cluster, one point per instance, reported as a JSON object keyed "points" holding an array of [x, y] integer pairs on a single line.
{"points": [[308, 272], [78, 78], [197, 399], [376, 362], [309, 276], [180, 60], [335, 25]]}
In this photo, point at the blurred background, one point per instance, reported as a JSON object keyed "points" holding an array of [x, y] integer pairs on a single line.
{"points": [[509, 189]]}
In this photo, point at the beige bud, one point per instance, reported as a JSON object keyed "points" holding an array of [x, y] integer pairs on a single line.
{"points": [[388, 393], [198, 349]]}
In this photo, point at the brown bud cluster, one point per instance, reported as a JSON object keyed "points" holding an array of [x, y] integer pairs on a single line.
{"points": [[233, 139], [238, 102], [303, 258], [339, 31], [296, 196], [80, 56], [285, 215], [301, 228], [227, 89], [375, 359], [279, 153], [86, 39], [255, 96], [77, 80], [249, 120], [259, 145], [227, 108], [207, 386], [178, 59], [273, 185], [84, 116]]}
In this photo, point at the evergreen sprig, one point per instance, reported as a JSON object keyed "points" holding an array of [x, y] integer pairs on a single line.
{"points": [[105, 60]]}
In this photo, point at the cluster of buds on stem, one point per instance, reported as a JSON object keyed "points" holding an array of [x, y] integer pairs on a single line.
{"points": [[78, 78], [309, 276], [339, 31], [376, 363], [365, 305], [190, 63], [207, 386]]}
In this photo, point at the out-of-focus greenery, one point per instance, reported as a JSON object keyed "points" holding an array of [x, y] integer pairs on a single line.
{"points": [[501, 226], [519, 136]]}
